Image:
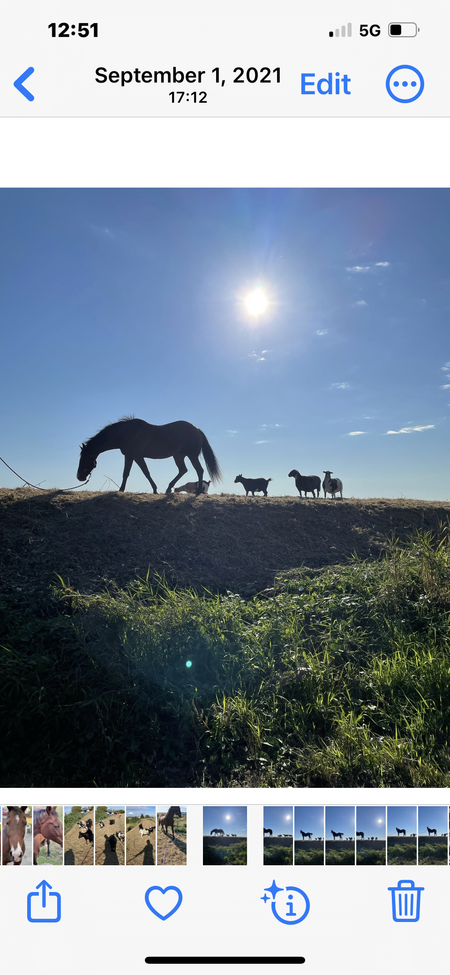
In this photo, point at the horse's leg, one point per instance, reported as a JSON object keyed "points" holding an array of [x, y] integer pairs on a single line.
{"points": [[194, 459], [48, 849], [179, 460], [126, 470], [141, 463]]}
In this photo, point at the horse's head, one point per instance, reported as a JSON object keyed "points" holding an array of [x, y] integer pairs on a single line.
{"points": [[88, 460], [16, 822]]}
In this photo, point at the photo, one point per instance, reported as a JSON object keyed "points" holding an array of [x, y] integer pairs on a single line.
{"points": [[172, 836], [371, 835], [225, 836], [48, 835], [141, 836], [340, 836], [401, 835], [225, 416], [433, 835], [309, 836], [277, 836], [109, 836], [79, 836], [17, 838]]}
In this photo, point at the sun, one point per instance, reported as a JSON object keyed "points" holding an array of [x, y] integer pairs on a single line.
{"points": [[256, 302]]}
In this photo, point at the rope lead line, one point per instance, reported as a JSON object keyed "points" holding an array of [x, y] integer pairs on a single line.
{"points": [[36, 486]]}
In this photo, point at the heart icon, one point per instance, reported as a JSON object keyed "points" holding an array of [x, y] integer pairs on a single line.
{"points": [[163, 917]]}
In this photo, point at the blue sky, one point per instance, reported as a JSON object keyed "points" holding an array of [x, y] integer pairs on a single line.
{"points": [[134, 301], [232, 819], [341, 819], [435, 817], [146, 812], [310, 819], [371, 820], [402, 817], [279, 819]]}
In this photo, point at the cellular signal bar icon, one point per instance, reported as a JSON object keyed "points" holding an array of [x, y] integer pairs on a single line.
{"points": [[345, 31]]}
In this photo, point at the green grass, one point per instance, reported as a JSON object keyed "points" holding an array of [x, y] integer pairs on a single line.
{"points": [[338, 857], [401, 854], [309, 857], [278, 856], [233, 855], [371, 857], [433, 856], [339, 677]]}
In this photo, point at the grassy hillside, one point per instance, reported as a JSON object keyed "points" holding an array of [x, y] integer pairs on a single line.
{"points": [[335, 673]]}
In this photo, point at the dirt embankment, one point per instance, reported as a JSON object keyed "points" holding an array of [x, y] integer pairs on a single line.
{"points": [[171, 850], [77, 850], [141, 850], [219, 542], [104, 854]]}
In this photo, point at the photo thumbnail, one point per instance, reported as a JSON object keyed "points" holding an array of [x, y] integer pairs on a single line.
{"points": [[172, 836], [309, 836], [141, 836], [401, 835], [278, 846], [79, 836], [224, 836], [432, 839], [48, 836], [109, 836], [340, 836], [225, 554], [17, 833], [371, 849]]}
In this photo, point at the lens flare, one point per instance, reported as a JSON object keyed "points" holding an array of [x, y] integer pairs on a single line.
{"points": [[256, 302]]}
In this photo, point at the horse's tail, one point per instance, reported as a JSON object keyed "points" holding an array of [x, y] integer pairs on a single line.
{"points": [[211, 461]]}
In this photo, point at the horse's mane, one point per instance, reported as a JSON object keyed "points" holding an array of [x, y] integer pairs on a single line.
{"points": [[122, 419], [39, 815]]}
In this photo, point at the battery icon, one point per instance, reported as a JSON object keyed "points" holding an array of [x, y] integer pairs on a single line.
{"points": [[402, 30]]}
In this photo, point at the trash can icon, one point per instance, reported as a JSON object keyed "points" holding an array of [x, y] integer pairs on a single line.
{"points": [[406, 901]]}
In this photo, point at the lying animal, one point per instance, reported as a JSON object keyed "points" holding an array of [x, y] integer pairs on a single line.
{"points": [[191, 487]]}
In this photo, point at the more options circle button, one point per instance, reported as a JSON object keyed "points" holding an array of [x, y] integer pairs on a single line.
{"points": [[405, 83]]}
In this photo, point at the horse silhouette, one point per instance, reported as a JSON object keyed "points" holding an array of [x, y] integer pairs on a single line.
{"points": [[269, 831], [400, 832], [431, 831], [336, 834], [217, 832], [306, 834], [137, 439]]}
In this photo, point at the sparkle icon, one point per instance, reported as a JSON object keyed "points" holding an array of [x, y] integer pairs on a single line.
{"points": [[292, 908]]}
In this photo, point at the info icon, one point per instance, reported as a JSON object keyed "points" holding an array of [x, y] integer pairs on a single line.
{"points": [[405, 83]]}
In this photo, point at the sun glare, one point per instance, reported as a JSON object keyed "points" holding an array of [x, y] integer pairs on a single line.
{"points": [[256, 302]]}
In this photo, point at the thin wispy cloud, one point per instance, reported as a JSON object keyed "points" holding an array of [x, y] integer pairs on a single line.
{"points": [[356, 433], [270, 426], [341, 385], [429, 426], [231, 433], [322, 331], [257, 356], [365, 268], [446, 386], [360, 303], [262, 441]]}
